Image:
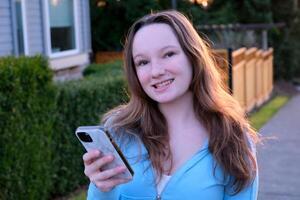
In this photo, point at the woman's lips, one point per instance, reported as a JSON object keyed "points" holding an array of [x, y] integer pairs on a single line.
{"points": [[162, 85]]}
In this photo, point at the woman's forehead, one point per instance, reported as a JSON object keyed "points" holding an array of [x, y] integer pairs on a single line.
{"points": [[155, 37]]}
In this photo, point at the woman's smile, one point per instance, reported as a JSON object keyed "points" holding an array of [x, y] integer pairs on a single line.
{"points": [[163, 84]]}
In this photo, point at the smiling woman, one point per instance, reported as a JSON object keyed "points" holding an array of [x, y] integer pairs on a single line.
{"points": [[182, 133], [162, 67]]}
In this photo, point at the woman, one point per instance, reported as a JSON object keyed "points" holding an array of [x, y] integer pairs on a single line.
{"points": [[186, 138]]}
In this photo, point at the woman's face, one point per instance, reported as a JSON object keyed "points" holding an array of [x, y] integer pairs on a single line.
{"points": [[163, 69]]}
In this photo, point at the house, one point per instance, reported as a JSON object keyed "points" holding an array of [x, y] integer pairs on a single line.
{"points": [[58, 29]]}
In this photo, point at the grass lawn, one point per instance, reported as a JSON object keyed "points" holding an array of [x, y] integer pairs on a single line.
{"points": [[80, 196], [257, 119], [264, 114]]}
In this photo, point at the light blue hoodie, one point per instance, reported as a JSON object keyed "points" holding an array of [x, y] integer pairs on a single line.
{"points": [[194, 180]]}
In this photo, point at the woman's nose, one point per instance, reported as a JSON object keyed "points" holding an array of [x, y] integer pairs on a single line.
{"points": [[157, 70]]}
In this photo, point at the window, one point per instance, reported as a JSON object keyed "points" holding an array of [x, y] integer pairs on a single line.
{"points": [[20, 28], [62, 26]]}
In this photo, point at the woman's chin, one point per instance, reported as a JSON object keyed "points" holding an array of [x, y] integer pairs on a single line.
{"points": [[164, 100]]}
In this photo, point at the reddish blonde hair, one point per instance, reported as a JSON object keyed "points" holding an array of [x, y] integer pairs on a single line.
{"points": [[222, 116]]}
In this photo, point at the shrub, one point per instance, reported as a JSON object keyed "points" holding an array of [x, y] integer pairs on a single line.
{"points": [[40, 157], [110, 69], [27, 107], [81, 103]]}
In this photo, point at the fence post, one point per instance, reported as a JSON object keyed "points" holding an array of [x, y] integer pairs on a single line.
{"points": [[229, 50]]}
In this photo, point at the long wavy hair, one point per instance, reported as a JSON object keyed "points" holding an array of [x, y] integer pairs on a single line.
{"points": [[224, 119]]}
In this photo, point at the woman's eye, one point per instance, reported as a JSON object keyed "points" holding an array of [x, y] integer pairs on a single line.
{"points": [[142, 62], [169, 54]]}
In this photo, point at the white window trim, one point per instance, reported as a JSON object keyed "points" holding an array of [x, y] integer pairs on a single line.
{"points": [[48, 37], [24, 24]]}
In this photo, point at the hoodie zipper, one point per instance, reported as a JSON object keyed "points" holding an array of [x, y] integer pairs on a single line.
{"points": [[158, 196]]}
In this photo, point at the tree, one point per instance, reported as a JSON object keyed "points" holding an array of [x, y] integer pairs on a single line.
{"points": [[254, 11], [286, 42], [110, 22]]}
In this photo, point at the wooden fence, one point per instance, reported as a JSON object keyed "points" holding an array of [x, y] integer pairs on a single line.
{"points": [[250, 76]]}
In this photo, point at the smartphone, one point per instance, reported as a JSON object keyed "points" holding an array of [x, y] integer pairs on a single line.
{"points": [[96, 137]]}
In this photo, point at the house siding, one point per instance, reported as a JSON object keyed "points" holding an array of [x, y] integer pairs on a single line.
{"points": [[6, 35], [35, 34], [35, 31], [36, 40], [85, 31]]}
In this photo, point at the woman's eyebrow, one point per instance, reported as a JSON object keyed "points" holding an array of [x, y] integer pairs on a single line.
{"points": [[161, 49], [138, 55], [169, 46]]}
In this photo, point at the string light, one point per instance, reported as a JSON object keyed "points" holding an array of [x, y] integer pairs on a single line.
{"points": [[203, 3], [54, 2], [101, 3]]}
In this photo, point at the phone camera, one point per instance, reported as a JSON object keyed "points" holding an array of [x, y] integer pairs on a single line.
{"points": [[83, 136]]}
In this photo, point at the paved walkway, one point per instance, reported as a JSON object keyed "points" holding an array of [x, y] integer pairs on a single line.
{"points": [[279, 158]]}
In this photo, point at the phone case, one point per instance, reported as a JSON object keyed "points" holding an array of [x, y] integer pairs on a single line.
{"points": [[101, 140]]}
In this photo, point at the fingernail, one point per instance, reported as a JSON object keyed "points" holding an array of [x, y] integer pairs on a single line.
{"points": [[110, 157], [121, 168]]}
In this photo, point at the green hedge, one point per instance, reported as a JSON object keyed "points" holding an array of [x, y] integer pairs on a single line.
{"points": [[40, 158], [80, 103], [27, 107], [111, 69]]}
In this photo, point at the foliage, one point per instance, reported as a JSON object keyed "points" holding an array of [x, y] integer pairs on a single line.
{"points": [[81, 103], [254, 11], [27, 110], [104, 70], [219, 12], [81, 196], [111, 22], [108, 35], [40, 157], [286, 41]]}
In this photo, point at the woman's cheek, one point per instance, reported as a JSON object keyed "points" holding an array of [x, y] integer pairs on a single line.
{"points": [[143, 76]]}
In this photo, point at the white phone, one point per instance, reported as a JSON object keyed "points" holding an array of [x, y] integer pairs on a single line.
{"points": [[96, 137]]}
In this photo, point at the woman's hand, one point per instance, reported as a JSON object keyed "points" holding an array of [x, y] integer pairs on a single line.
{"points": [[103, 179]]}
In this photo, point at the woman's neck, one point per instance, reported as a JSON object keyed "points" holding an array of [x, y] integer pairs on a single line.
{"points": [[180, 111]]}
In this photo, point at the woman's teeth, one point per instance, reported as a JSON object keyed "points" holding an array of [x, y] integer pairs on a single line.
{"points": [[163, 83]]}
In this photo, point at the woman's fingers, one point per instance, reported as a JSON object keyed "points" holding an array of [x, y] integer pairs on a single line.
{"points": [[96, 165], [90, 156], [107, 174], [103, 179], [107, 185], [99, 163]]}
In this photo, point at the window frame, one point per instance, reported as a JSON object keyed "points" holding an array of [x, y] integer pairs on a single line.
{"points": [[24, 28], [48, 34]]}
